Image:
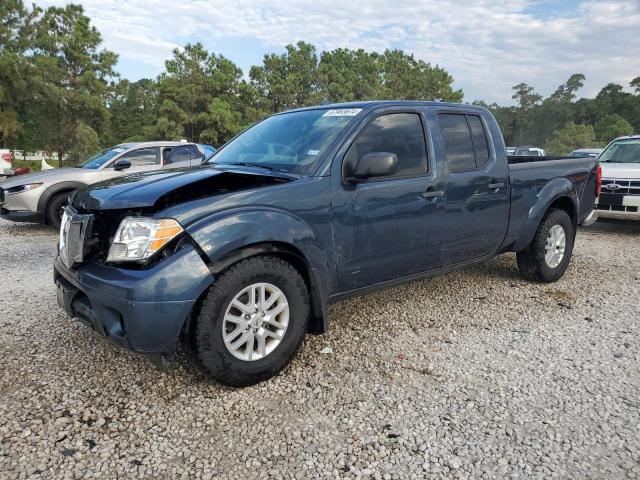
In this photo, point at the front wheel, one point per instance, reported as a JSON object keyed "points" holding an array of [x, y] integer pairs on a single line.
{"points": [[547, 256], [55, 209], [251, 321]]}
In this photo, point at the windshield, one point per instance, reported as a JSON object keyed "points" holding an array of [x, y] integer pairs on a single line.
{"points": [[622, 151], [290, 142], [100, 158]]}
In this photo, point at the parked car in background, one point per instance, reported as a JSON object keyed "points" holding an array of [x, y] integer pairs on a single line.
{"points": [[241, 257], [5, 163], [620, 195], [585, 152], [42, 196], [511, 151], [529, 152]]}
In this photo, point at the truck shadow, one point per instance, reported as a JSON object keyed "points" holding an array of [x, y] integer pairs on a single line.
{"points": [[613, 227]]}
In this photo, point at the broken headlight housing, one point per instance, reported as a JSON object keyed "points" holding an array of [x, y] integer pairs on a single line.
{"points": [[139, 238]]}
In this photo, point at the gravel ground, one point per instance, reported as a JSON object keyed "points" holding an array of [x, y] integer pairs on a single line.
{"points": [[475, 374]]}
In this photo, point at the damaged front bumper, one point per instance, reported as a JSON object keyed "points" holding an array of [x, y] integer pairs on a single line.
{"points": [[141, 310]]}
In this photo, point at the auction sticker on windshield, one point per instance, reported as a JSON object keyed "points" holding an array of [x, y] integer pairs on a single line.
{"points": [[342, 112]]}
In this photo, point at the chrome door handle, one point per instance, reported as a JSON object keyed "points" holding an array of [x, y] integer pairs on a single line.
{"points": [[433, 193], [495, 186]]}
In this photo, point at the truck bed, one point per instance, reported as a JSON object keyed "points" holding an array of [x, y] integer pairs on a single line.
{"points": [[513, 159], [529, 176]]}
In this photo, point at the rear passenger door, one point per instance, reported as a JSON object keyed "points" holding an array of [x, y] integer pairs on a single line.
{"points": [[181, 156], [476, 184]]}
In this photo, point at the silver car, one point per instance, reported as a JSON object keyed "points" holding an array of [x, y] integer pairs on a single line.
{"points": [[42, 197]]}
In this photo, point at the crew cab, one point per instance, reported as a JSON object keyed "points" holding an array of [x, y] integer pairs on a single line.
{"points": [[237, 259]]}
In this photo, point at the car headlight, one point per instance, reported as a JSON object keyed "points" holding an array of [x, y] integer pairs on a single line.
{"points": [[22, 188], [138, 238]]}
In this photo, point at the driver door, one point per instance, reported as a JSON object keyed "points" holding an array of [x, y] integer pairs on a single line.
{"points": [[141, 159], [386, 228]]}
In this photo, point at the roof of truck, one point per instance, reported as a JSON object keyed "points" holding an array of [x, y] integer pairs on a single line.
{"points": [[385, 103]]}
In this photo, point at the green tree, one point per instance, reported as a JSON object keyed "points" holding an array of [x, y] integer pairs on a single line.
{"points": [[85, 143], [132, 105], [16, 39], [404, 77], [70, 78], [526, 96], [522, 123], [567, 91], [288, 80], [612, 126], [193, 80], [635, 84], [349, 75], [571, 137], [222, 122]]}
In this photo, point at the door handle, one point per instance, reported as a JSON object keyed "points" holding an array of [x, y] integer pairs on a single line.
{"points": [[497, 185], [433, 193]]}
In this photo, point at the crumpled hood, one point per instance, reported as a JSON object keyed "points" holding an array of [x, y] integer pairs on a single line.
{"points": [[46, 176], [621, 170], [161, 188]]}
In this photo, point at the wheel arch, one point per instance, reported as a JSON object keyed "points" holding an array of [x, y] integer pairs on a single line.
{"points": [[53, 190], [558, 193], [318, 296]]}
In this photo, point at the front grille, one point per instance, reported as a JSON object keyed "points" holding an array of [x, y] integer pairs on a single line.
{"points": [[620, 186], [617, 208], [104, 227], [74, 230]]}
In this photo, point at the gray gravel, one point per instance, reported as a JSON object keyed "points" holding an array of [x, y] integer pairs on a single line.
{"points": [[476, 374]]}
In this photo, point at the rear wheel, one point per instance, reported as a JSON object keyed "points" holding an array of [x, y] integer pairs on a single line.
{"points": [[251, 321], [547, 257], [55, 209]]}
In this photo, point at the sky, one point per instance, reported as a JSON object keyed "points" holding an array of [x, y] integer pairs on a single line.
{"points": [[486, 45]]}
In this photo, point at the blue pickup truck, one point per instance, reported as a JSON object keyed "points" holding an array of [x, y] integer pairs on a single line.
{"points": [[237, 259]]}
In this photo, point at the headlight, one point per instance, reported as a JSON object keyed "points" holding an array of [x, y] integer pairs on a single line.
{"points": [[138, 238], [22, 188]]}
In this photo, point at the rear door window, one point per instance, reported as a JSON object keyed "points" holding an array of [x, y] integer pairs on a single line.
{"points": [[457, 142], [465, 141], [181, 153], [480, 143]]}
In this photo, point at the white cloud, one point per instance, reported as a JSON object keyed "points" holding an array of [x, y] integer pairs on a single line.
{"points": [[488, 46]]}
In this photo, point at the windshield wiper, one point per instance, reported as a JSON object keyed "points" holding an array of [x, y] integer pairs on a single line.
{"points": [[246, 164]]}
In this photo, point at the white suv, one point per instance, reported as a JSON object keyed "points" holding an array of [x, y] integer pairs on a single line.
{"points": [[620, 194]]}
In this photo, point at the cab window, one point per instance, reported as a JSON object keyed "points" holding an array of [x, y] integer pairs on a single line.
{"points": [[465, 142], [399, 133], [142, 157]]}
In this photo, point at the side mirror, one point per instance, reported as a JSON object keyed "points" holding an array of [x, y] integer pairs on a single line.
{"points": [[122, 165], [376, 164]]}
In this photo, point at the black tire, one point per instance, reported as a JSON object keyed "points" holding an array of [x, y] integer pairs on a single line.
{"points": [[531, 261], [207, 345], [55, 208]]}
